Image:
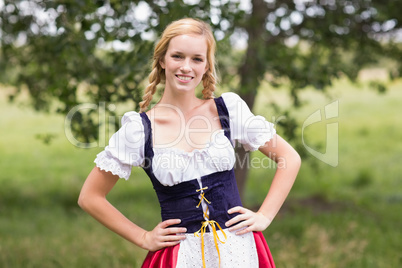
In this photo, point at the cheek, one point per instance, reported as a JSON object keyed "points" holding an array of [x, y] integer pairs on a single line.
{"points": [[202, 69], [171, 65]]}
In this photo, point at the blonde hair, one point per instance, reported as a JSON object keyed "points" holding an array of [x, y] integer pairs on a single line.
{"points": [[176, 28]]}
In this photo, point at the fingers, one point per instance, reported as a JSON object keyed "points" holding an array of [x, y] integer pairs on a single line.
{"points": [[168, 244], [166, 230], [156, 244], [244, 215], [164, 236], [246, 221], [237, 209], [242, 228], [167, 223], [172, 233], [241, 222]]}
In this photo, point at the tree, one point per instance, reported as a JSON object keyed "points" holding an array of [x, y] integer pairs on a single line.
{"points": [[331, 29], [53, 48]]}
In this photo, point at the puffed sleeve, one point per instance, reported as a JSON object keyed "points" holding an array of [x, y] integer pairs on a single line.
{"points": [[252, 131], [125, 148]]}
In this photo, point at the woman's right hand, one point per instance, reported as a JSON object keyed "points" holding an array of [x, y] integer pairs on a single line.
{"points": [[162, 236]]}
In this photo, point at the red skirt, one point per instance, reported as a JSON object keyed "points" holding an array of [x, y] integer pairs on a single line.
{"points": [[167, 257]]}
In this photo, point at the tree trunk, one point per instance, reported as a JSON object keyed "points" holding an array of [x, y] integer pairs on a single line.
{"points": [[251, 71]]}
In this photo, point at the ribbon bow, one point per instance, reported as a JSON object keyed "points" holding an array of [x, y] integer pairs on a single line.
{"points": [[201, 232]]}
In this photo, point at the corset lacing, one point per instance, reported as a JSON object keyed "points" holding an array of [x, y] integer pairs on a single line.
{"points": [[200, 233]]}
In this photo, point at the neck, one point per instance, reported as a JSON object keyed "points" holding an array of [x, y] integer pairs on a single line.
{"points": [[185, 101]]}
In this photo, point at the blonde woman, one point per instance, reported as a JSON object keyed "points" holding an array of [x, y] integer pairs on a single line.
{"points": [[186, 146]]}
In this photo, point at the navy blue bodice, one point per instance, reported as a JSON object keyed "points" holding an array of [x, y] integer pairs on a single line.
{"points": [[180, 201]]}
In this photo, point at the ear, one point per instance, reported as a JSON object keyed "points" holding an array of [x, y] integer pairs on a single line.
{"points": [[206, 68], [162, 63]]}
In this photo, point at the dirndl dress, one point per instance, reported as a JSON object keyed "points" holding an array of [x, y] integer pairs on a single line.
{"points": [[198, 187]]}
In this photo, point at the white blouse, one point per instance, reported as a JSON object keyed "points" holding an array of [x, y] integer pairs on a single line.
{"points": [[171, 165]]}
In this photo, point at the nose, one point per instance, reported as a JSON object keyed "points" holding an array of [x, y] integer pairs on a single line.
{"points": [[185, 67]]}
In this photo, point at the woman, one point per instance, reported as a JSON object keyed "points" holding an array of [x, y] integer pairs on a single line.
{"points": [[185, 145]]}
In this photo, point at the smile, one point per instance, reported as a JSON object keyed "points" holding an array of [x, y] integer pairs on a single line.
{"points": [[184, 78]]}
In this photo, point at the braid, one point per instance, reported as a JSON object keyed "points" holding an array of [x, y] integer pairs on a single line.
{"points": [[208, 82], [154, 80]]}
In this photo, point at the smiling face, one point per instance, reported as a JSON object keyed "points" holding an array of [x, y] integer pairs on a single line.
{"points": [[185, 62]]}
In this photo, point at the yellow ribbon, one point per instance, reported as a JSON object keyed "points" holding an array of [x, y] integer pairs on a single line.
{"points": [[202, 189], [202, 197], [206, 216], [216, 237]]}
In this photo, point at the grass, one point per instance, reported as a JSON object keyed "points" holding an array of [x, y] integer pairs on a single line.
{"points": [[344, 216]]}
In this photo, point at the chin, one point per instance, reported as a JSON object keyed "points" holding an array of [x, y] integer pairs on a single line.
{"points": [[185, 88]]}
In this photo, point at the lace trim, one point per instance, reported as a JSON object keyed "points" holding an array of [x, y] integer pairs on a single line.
{"points": [[113, 165]]}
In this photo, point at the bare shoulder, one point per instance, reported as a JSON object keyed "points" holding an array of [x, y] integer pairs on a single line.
{"points": [[211, 106], [210, 112]]}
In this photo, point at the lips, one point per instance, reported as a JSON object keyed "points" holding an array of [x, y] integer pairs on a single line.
{"points": [[184, 78]]}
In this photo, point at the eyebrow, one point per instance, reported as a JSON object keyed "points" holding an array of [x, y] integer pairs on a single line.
{"points": [[196, 55]]}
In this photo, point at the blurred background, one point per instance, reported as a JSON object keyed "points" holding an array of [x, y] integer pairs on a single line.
{"points": [[327, 73]]}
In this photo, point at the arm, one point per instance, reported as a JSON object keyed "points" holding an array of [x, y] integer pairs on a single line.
{"points": [[93, 200], [288, 164]]}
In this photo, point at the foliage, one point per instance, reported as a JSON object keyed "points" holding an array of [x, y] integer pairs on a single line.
{"points": [[53, 47], [70, 51]]}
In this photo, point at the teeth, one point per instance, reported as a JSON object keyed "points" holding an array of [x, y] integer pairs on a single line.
{"points": [[186, 78]]}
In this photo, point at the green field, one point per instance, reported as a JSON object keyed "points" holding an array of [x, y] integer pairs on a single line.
{"points": [[343, 216]]}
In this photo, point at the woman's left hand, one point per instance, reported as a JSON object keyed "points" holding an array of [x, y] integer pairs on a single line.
{"points": [[249, 220]]}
